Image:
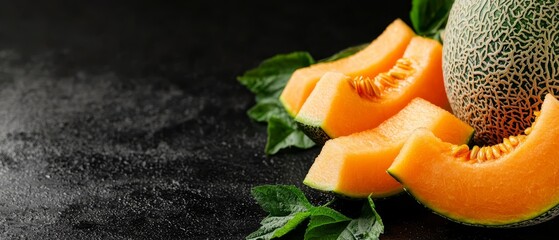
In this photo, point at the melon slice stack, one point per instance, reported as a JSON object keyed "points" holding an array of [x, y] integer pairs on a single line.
{"points": [[356, 165], [341, 104], [380, 55], [386, 125]]}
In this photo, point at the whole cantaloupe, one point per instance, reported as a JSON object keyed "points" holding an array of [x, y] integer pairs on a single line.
{"points": [[500, 58]]}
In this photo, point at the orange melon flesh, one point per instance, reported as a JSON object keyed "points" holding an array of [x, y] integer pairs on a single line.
{"points": [[336, 108], [512, 190], [377, 57], [355, 165]]}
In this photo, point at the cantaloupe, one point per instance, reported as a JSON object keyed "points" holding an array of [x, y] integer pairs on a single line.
{"points": [[377, 57], [341, 105], [500, 59], [511, 184], [355, 165]]}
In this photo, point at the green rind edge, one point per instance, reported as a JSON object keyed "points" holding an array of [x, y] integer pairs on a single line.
{"points": [[344, 195], [286, 107], [536, 219], [316, 133]]}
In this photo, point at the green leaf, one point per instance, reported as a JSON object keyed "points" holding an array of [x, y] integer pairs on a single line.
{"points": [[368, 226], [283, 132], [274, 227], [267, 82], [325, 223], [429, 17], [263, 110], [281, 200], [269, 78], [287, 207]]}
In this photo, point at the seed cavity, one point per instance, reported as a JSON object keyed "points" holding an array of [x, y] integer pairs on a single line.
{"points": [[486, 153], [373, 88]]}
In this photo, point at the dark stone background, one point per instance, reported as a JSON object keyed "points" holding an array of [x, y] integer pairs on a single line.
{"points": [[124, 120]]}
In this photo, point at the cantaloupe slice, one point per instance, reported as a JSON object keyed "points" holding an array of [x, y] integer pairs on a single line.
{"points": [[355, 165], [510, 184], [378, 56], [341, 105]]}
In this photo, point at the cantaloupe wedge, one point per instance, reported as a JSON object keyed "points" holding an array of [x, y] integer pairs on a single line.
{"points": [[341, 105], [355, 165], [511, 184], [377, 57]]}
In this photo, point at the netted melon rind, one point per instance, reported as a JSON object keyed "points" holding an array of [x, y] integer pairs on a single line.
{"points": [[500, 57]]}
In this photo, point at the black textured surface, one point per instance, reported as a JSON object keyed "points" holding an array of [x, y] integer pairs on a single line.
{"points": [[125, 120]]}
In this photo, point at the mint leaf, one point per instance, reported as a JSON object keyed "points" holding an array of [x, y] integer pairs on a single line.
{"points": [[267, 82], [368, 226], [283, 132], [281, 200], [269, 78], [325, 224], [287, 207], [274, 227], [428, 17], [263, 110]]}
